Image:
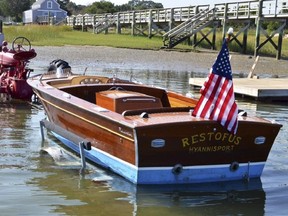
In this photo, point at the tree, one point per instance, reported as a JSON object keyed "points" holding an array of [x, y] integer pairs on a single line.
{"points": [[64, 5], [143, 5], [107, 7], [14, 8], [123, 7], [74, 9], [101, 7]]}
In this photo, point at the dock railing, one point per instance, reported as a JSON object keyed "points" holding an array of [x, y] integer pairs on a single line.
{"points": [[231, 10], [250, 9], [178, 14]]}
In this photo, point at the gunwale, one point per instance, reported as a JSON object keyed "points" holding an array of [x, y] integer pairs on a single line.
{"points": [[57, 87]]}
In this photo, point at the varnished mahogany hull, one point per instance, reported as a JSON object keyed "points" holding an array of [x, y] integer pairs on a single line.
{"points": [[181, 150]]}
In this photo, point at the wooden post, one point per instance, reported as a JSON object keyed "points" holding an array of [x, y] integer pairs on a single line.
{"points": [[94, 24], [133, 24], [48, 21], [171, 21], [83, 23], [195, 35], [150, 24], [225, 22], [250, 75], [245, 36], [258, 28], [118, 24], [106, 20], [280, 40], [74, 23], [215, 25]]}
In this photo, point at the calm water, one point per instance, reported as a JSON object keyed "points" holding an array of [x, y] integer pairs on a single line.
{"points": [[35, 183]]}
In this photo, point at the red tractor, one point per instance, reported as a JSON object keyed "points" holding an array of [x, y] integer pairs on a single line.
{"points": [[14, 71]]}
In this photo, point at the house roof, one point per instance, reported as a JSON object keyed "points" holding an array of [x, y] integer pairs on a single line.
{"points": [[38, 3]]}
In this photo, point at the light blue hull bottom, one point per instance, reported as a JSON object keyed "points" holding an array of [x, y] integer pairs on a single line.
{"points": [[169, 175]]}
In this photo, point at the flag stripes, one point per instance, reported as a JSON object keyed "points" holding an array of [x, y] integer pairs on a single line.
{"points": [[217, 101]]}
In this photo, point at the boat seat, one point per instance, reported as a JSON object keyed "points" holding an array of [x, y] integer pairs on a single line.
{"points": [[121, 100], [88, 80], [177, 100], [156, 110]]}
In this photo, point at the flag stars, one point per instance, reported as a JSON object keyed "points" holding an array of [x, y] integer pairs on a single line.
{"points": [[222, 64]]}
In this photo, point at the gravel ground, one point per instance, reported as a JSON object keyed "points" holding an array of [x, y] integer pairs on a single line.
{"points": [[127, 59]]}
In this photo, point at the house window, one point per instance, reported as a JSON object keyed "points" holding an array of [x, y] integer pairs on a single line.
{"points": [[49, 4]]}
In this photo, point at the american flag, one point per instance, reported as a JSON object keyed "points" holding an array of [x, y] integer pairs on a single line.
{"points": [[217, 101]]}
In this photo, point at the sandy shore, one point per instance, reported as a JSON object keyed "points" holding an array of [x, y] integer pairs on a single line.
{"points": [[127, 59]]}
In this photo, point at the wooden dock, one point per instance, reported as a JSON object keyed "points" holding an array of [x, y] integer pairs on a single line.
{"points": [[271, 89], [178, 24]]}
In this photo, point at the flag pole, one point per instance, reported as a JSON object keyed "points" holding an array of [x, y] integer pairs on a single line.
{"points": [[217, 100], [229, 34]]}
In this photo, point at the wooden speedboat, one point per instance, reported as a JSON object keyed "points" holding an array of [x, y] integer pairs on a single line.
{"points": [[147, 134]]}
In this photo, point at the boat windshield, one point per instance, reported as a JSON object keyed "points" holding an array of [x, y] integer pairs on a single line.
{"points": [[59, 73], [63, 72], [59, 68]]}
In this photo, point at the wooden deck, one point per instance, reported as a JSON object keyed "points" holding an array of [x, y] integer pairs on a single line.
{"points": [[260, 89]]}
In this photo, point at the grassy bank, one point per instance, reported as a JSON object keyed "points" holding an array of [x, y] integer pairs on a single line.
{"points": [[64, 35]]}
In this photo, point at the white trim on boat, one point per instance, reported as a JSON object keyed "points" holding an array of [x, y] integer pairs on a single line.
{"points": [[114, 158], [202, 166]]}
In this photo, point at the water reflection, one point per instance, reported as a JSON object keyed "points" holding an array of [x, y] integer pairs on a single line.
{"points": [[200, 199], [116, 196], [15, 127], [20, 138]]}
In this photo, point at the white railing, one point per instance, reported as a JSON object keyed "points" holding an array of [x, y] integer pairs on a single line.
{"points": [[232, 10]]}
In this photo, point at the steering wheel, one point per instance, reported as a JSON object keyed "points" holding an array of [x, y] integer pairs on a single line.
{"points": [[21, 44]]}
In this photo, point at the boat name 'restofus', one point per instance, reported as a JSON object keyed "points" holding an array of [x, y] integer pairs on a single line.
{"points": [[210, 137]]}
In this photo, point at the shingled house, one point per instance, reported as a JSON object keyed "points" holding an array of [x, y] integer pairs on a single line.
{"points": [[44, 12]]}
